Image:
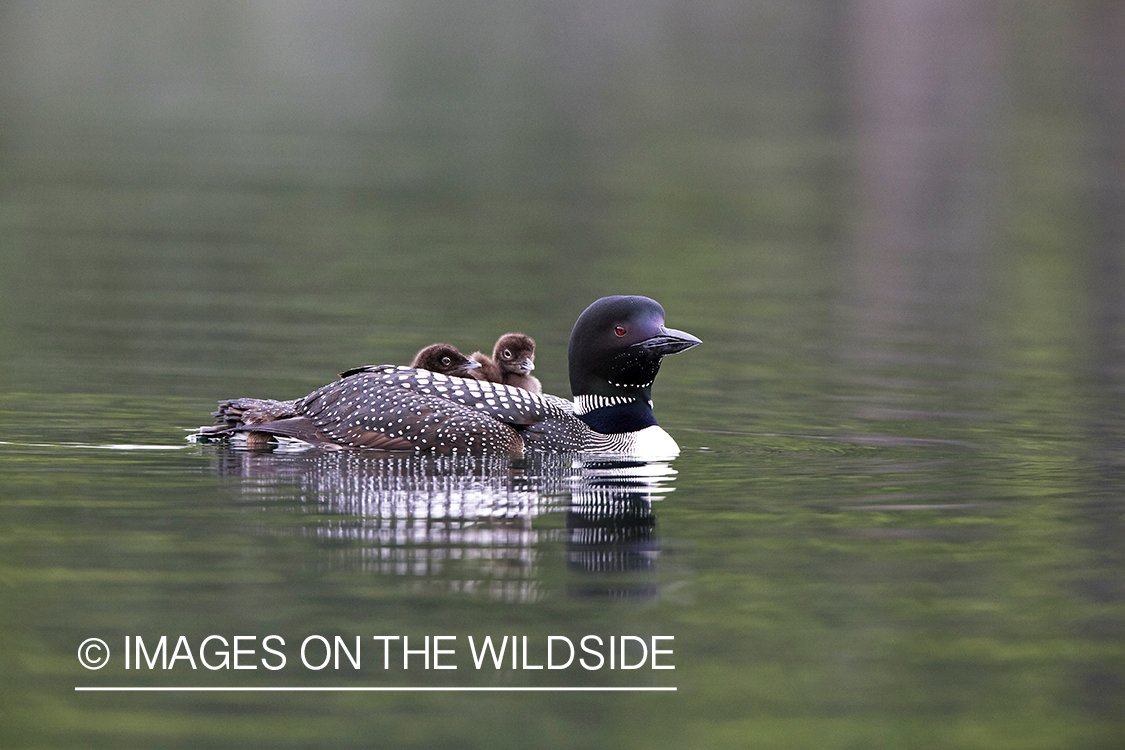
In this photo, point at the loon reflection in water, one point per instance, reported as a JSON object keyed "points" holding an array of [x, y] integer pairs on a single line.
{"points": [[472, 524]]}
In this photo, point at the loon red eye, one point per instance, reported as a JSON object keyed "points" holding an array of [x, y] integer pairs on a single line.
{"points": [[619, 330]]}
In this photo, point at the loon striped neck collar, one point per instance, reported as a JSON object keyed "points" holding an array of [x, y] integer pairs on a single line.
{"points": [[588, 402]]}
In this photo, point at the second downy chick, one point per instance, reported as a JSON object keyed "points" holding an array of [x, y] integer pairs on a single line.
{"points": [[511, 363]]}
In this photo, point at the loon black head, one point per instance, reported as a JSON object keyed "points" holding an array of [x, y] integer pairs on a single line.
{"points": [[515, 353], [444, 358], [615, 352]]}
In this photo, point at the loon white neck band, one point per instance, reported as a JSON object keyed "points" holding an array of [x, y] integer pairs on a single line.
{"points": [[587, 403]]}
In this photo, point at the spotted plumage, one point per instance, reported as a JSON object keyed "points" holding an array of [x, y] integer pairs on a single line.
{"points": [[615, 352]]}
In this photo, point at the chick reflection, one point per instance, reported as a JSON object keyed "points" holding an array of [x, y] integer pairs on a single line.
{"points": [[482, 525]]}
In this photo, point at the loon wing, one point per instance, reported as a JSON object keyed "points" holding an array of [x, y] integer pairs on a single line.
{"points": [[400, 408], [363, 368], [509, 404]]}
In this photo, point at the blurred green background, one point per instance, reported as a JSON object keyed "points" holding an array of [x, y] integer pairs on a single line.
{"points": [[899, 228]]}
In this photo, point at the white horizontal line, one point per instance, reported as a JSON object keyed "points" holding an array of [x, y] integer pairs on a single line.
{"points": [[366, 689]]}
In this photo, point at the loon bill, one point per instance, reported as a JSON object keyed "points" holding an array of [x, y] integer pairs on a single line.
{"points": [[615, 351]]}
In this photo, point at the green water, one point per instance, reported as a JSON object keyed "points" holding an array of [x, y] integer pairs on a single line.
{"points": [[896, 520]]}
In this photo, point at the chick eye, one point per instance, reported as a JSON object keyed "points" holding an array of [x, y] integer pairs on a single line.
{"points": [[619, 330], [446, 361], [507, 354]]}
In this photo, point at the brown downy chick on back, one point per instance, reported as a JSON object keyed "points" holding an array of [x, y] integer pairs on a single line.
{"points": [[446, 359], [442, 358], [511, 363]]}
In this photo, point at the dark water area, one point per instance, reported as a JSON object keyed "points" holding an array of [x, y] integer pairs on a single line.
{"points": [[897, 517]]}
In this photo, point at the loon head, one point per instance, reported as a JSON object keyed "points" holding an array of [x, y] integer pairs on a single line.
{"points": [[616, 347], [515, 353], [444, 358]]}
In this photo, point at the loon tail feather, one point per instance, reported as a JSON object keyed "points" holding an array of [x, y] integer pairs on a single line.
{"points": [[237, 412]]}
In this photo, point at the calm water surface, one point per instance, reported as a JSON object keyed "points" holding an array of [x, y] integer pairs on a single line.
{"points": [[897, 517]]}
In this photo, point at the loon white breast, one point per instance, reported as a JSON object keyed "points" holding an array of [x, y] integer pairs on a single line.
{"points": [[615, 352]]}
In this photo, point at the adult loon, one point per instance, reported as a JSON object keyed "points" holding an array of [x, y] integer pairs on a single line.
{"points": [[511, 363], [615, 351]]}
